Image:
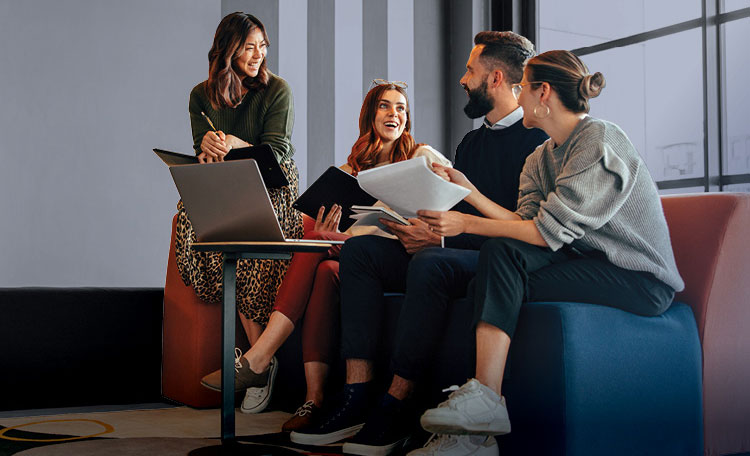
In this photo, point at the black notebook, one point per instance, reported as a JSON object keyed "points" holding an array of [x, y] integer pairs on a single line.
{"points": [[334, 186], [270, 169]]}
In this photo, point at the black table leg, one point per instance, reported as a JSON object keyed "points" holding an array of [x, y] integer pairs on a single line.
{"points": [[227, 348]]}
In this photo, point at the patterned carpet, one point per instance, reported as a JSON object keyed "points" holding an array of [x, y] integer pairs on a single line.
{"points": [[169, 431]]}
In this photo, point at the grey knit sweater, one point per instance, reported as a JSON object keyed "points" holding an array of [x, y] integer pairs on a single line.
{"points": [[595, 193]]}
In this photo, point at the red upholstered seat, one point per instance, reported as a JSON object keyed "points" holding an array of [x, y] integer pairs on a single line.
{"points": [[191, 338], [710, 234]]}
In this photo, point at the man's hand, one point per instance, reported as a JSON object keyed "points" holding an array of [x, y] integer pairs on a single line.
{"points": [[450, 223], [414, 237]]}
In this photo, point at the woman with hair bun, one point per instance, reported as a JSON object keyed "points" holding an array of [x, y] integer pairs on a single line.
{"points": [[589, 228]]}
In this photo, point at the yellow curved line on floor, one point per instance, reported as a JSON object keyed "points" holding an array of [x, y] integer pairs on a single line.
{"points": [[107, 429]]}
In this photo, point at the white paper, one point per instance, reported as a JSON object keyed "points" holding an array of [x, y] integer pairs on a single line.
{"points": [[375, 212], [410, 185]]}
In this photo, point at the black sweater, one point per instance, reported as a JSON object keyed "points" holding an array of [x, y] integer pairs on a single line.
{"points": [[492, 160]]}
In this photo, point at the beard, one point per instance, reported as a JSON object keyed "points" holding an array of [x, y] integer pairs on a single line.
{"points": [[479, 103]]}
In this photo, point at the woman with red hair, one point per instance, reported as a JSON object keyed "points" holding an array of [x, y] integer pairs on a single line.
{"points": [[308, 295]]}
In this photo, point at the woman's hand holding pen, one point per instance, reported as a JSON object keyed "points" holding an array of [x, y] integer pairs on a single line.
{"points": [[213, 147]]}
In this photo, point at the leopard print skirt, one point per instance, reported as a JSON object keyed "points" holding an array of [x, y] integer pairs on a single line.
{"points": [[257, 280]]}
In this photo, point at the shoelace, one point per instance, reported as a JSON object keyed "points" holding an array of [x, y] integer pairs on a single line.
{"points": [[305, 409], [339, 411], [237, 356], [255, 392], [437, 440], [457, 392]]}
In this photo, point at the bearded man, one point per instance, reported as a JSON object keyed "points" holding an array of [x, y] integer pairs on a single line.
{"points": [[430, 270]]}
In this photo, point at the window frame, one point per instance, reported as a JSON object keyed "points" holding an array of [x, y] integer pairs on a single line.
{"points": [[522, 16]]}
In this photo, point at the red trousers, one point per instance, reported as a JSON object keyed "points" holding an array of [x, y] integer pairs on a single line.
{"points": [[309, 294]]}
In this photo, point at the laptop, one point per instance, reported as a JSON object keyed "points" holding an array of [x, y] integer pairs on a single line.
{"points": [[273, 176], [229, 202]]}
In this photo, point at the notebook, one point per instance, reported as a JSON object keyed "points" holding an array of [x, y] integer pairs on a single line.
{"points": [[273, 176], [228, 202], [334, 186]]}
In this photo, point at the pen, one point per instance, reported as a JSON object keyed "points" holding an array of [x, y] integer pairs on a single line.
{"points": [[211, 124]]}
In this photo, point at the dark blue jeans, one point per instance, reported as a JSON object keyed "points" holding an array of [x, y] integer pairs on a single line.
{"points": [[431, 280]]}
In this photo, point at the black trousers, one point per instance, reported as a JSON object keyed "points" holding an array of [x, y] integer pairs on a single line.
{"points": [[498, 279], [512, 272], [432, 280]]}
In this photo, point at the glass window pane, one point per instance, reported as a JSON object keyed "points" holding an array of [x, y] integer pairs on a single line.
{"points": [[736, 158], [654, 92], [680, 191], [737, 188], [731, 5], [576, 23]]}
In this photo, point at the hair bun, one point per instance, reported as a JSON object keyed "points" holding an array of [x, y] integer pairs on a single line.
{"points": [[591, 85]]}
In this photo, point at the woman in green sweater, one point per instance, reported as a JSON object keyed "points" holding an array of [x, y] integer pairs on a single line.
{"points": [[589, 228], [247, 105]]}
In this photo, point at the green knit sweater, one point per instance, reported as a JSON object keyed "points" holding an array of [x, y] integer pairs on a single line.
{"points": [[264, 117]]}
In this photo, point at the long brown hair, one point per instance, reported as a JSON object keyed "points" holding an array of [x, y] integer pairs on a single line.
{"points": [[224, 85], [568, 76], [368, 146]]}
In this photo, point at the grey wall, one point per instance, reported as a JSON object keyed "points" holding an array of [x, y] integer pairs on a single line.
{"points": [[89, 87]]}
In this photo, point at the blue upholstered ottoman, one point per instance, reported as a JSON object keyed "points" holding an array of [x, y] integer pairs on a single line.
{"points": [[592, 380], [586, 379]]}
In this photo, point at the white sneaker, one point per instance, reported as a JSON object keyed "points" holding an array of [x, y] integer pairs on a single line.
{"points": [[471, 409], [458, 445], [257, 398]]}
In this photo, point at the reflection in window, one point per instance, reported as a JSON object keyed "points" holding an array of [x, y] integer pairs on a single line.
{"points": [[578, 23], [654, 92], [731, 5], [680, 159], [737, 97]]}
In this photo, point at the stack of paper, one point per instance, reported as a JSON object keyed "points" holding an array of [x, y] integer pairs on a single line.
{"points": [[369, 215], [410, 185]]}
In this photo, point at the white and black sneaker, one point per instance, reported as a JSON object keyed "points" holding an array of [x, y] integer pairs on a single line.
{"points": [[458, 445], [471, 409], [257, 398]]}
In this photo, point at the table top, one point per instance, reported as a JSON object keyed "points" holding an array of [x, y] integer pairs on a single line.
{"points": [[261, 247]]}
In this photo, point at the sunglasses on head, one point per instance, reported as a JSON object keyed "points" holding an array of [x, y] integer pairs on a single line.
{"points": [[377, 82]]}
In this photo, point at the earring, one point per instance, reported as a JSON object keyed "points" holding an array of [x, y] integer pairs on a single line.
{"points": [[537, 110]]}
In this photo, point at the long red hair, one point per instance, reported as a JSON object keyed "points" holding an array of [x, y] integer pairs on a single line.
{"points": [[367, 148], [224, 85]]}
